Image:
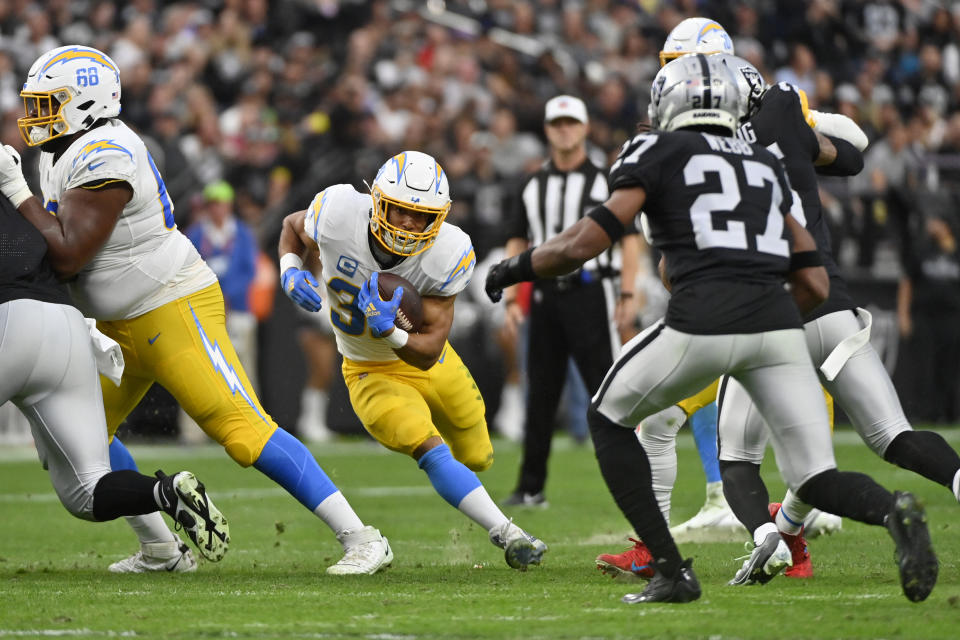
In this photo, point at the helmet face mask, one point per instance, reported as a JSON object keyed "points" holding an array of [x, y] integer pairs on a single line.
{"points": [[695, 35], [67, 90], [695, 90], [416, 183]]}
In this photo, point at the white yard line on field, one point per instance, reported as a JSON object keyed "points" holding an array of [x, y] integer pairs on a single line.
{"points": [[266, 492]]}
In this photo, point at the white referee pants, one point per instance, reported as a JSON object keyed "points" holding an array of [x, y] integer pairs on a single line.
{"points": [[862, 388], [49, 372], [662, 366]]}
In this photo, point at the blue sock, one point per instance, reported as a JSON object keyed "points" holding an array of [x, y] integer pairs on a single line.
{"points": [[449, 477], [120, 458], [286, 461], [704, 425]]}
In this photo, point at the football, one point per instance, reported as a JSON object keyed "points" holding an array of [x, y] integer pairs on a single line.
{"points": [[410, 313]]}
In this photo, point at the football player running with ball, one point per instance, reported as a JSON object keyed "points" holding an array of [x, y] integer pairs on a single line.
{"points": [[719, 210], [410, 390], [115, 238]]}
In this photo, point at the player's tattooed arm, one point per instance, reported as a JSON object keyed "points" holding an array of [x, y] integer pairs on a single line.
{"points": [[83, 223], [425, 347]]}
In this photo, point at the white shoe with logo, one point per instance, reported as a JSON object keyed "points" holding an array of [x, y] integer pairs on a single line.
{"points": [[520, 548], [820, 523], [714, 522], [172, 556], [365, 552]]}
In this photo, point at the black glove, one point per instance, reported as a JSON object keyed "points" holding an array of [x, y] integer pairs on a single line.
{"points": [[506, 273]]}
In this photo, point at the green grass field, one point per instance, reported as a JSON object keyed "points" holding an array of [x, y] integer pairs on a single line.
{"points": [[447, 580]]}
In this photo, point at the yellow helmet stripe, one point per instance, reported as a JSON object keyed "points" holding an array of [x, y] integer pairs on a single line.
{"points": [[707, 28], [73, 54], [401, 161]]}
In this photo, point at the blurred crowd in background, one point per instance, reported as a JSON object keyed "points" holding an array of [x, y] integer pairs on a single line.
{"points": [[277, 100]]}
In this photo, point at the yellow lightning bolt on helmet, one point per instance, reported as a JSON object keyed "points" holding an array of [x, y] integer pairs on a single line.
{"points": [[695, 35]]}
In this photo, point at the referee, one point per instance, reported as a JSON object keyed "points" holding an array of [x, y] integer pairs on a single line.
{"points": [[584, 314]]}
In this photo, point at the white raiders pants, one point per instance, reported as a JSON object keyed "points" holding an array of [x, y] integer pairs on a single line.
{"points": [[662, 366], [862, 388], [50, 374]]}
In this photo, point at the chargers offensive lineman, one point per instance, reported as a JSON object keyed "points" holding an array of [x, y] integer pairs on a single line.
{"points": [[411, 391], [129, 267], [50, 374], [717, 209]]}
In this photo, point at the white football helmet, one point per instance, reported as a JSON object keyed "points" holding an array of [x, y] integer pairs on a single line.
{"points": [[695, 35], [67, 90], [414, 181], [750, 84], [695, 90]]}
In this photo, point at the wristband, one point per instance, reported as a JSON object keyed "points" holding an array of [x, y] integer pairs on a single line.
{"points": [[805, 260], [626, 294], [519, 268], [397, 338], [18, 198], [608, 222], [290, 261]]}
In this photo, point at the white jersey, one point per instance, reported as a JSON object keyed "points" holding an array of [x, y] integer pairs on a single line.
{"points": [[146, 262], [338, 220]]}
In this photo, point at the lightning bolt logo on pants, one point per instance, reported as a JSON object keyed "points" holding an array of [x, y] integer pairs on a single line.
{"points": [[219, 362]]}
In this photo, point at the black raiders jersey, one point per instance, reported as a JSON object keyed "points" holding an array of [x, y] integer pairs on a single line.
{"points": [[781, 127], [716, 207], [24, 269]]}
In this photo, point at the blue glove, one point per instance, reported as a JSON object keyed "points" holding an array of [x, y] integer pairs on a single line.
{"points": [[299, 287], [380, 313]]}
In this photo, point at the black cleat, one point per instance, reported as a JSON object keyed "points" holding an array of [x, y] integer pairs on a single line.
{"points": [[185, 500], [682, 587], [918, 565]]}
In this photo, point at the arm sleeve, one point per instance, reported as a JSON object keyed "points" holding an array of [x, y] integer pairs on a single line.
{"points": [[849, 160]]}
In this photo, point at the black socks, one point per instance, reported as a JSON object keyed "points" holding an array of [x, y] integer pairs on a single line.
{"points": [[626, 470]]}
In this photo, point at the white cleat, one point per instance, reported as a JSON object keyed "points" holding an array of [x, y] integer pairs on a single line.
{"points": [[713, 523], [820, 523], [365, 552], [174, 557], [765, 562], [520, 548]]}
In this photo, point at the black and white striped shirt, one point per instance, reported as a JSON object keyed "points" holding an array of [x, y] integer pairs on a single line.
{"points": [[551, 201]]}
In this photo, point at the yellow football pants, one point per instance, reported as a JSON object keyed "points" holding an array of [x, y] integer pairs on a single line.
{"points": [[698, 401], [184, 346], [402, 406]]}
